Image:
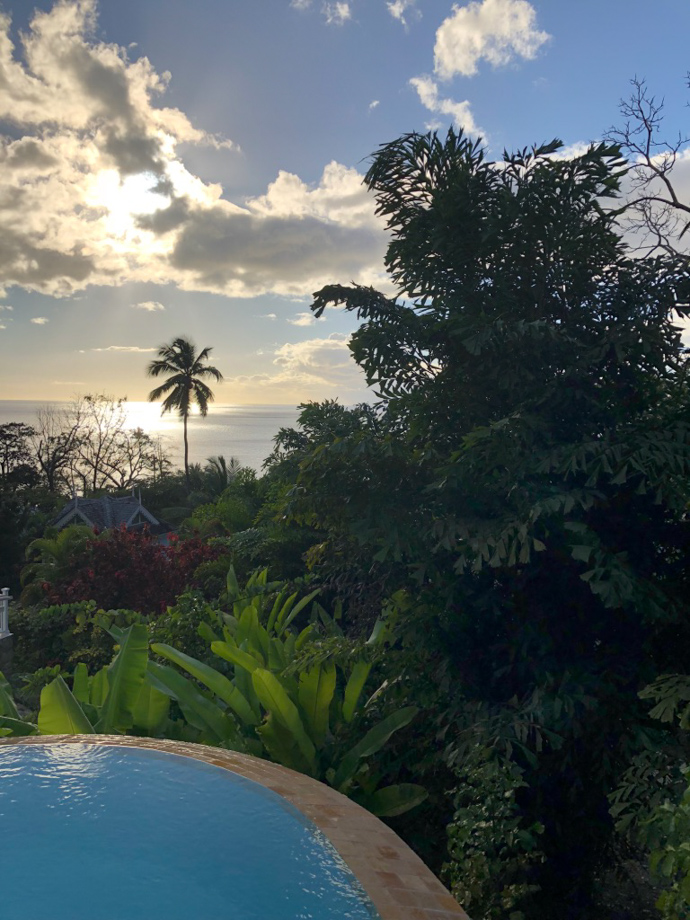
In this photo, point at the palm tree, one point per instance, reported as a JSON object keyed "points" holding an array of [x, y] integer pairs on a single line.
{"points": [[185, 386]]}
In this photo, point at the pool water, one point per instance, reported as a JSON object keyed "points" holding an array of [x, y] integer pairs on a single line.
{"points": [[91, 832]]}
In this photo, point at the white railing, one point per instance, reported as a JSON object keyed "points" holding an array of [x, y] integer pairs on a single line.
{"points": [[5, 613]]}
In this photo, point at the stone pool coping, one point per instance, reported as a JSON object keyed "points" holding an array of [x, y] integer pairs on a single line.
{"points": [[397, 881]]}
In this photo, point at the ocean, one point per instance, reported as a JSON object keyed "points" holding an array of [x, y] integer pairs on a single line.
{"points": [[244, 432]]}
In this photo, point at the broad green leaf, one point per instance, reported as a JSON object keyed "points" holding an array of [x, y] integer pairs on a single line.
{"points": [[316, 689], [199, 711], [372, 742], [276, 701], [394, 800], [354, 688], [80, 683], [581, 552], [302, 638], [125, 678], [280, 743], [98, 687], [207, 632], [16, 727], [283, 613], [234, 655], [378, 633], [151, 709], [277, 606], [215, 681], [60, 712], [231, 584], [284, 621], [277, 660]]}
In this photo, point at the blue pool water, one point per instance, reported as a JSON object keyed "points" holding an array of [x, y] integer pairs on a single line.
{"points": [[91, 832]]}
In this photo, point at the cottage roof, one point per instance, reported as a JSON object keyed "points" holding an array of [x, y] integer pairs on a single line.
{"points": [[107, 512]]}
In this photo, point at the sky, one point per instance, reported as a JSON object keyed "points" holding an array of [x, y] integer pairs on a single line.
{"points": [[173, 168]]}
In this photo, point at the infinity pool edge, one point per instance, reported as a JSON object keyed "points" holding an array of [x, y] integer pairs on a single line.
{"points": [[399, 884]]}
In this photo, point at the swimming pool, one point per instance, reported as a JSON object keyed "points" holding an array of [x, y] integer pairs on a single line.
{"points": [[396, 880], [113, 833]]}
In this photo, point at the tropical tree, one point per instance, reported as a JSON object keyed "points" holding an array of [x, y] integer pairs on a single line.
{"points": [[185, 384], [530, 497]]}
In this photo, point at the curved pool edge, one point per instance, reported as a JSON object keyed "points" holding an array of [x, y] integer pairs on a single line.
{"points": [[399, 884]]}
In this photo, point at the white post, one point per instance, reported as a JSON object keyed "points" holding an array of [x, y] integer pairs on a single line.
{"points": [[5, 613]]}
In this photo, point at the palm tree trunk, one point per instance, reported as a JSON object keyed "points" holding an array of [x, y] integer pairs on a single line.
{"points": [[186, 453]]}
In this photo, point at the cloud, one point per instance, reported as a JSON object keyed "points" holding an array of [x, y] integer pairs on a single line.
{"points": [[134, 348], [3, 326], [460, 112], [304, 319], [398, 8], [336, 13], [373, 105], [306, 368], [150, 305], [39, 320], [6, 306], [269, 316], [497, 31], [300, 4], [95, 192]]}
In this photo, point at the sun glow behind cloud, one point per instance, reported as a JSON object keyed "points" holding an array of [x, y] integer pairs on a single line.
{"points": [[104, 197], [124, 199]]}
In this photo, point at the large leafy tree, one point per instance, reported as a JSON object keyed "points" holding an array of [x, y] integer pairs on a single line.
{"points": [[186, 370], [538, 466]]}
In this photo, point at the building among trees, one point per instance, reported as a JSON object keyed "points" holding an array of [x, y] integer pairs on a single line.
{"points": [[110, 512]]}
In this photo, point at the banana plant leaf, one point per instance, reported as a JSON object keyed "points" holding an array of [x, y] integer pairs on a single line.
{"points": [[276, 701], [316, 689], [215, 681], [202, 713], [286, 616], [394, 800], [98, 687], [235, 655], [150, 712], [80, 683], [60, 712], [16, 727], [125, 678], [372, 742], [280, 744], [354, 688]]}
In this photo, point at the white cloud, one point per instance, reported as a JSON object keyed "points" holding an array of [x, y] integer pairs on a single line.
{"points": [[337, 13], [497, 31], [39, 320], [3, 326], [134, 348], [398, 9], [6, 306], [269, 316], [300, 4], [374, 104], [460, 112], [304, 319], [150, 305], [95, 192], [306, 369]]}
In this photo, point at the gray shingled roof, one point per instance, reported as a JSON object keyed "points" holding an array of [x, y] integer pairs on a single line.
{"points": [[104, 513]]}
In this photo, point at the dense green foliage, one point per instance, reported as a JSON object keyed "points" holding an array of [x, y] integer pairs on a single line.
{"points": [[511, 514], [535, 419]]}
